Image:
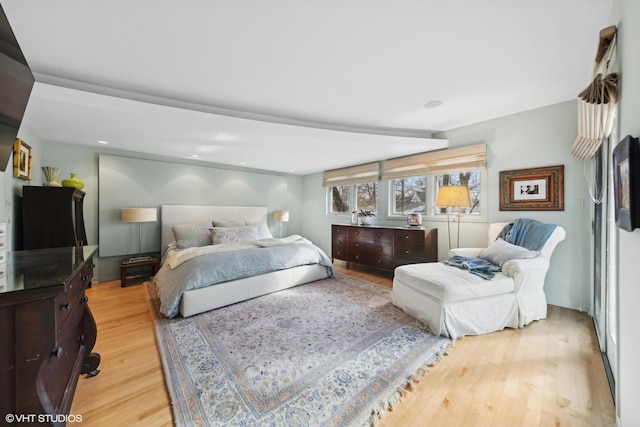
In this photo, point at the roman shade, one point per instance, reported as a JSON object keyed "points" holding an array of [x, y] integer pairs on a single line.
{"points": [[351, 175], [450, 160]]}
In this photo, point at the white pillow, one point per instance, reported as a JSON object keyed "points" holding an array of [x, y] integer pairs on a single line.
{"points": [[501, 251], [192, 235], [220, 235], [263, 229]]}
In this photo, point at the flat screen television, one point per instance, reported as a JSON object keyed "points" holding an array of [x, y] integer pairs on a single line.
{"points": [[16, 82]]}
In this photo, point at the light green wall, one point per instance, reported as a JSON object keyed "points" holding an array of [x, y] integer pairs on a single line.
{"points": [[164, 182], [541, 137], [626, 15]]}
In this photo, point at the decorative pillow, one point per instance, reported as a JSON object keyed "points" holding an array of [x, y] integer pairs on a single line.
{"points": [[221, 235], [263, 229], [192, 234], [500, 252]]}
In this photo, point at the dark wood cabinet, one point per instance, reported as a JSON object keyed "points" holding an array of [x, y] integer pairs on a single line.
{"points": [[383, 247], [47, 332], [52, 217]]}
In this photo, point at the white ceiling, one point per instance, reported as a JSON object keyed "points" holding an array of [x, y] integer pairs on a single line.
{"points": [[295, 86]]}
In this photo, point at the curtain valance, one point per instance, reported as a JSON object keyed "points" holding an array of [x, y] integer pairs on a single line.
{"points": [[450, 160], [351, 175]]}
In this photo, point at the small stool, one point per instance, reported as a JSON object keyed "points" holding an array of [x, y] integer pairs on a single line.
{"points": [[127, 264]]}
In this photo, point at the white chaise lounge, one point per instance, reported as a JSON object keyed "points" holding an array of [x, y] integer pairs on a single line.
{"points": [[454, 302]]}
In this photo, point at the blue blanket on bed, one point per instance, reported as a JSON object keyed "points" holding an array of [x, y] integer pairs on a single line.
{"points": [[528, 233], [478, 266], [214, 268]]}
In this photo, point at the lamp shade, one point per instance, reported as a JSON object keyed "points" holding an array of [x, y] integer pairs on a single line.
{"points": [[139, 214], [453, 196], [281, 216]]}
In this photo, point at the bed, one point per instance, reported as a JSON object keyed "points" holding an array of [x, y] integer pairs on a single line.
{"points": [[245, 262]]}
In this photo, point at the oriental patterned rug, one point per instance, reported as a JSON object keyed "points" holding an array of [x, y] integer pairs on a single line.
{"points": [[335, 352]]}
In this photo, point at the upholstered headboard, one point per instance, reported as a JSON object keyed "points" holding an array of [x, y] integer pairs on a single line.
{"points": [[182, 214]]}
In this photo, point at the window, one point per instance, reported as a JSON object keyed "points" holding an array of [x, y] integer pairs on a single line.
{"points": [[408, 195], [339, 198], [362, 196], [469, 179], [367, 196]]}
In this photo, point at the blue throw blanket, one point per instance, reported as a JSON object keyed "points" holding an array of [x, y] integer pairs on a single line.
{"points": [[528, 233], [477, 266]]}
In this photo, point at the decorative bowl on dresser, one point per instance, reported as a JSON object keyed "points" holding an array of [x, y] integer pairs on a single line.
{"points": [[47, 332], [383, 247]]}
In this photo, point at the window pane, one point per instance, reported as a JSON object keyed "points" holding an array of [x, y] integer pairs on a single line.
{"points": [[470, 179], [339, 199], [367, 196], [409, 195]]}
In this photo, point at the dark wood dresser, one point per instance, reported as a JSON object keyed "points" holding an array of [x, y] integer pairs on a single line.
{"points": [[47, 332], [383, 247], [52, 217]]}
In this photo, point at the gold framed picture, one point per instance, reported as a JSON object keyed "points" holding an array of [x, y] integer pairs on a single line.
{"points": [[534, 189], [21, 159]]}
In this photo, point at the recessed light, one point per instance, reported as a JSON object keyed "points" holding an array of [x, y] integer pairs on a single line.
{"points": [[242, 163], [433, 104], [223, 137], [102, 142], [195, 156]]}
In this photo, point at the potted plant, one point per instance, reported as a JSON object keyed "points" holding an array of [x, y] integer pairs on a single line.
{"points": [[365, 217]]}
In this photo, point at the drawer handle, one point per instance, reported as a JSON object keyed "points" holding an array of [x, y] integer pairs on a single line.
{"points": [[379, 248], [407, 251], [84, 298], [406, 236], [83, 278], [57, 352], [379, 261], [356, 244], [379, 234], [357, 232], [66, 306], [357, 256]]}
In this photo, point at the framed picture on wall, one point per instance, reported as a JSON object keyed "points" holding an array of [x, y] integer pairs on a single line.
{"points": [[21, 160], [534, 189], [625, 183]]}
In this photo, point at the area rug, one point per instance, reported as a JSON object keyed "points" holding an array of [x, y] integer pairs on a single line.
{"points": [[335, 352]]}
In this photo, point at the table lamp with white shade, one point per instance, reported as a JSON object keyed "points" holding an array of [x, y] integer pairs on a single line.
{"points": [[280, 217], [139, 215]]}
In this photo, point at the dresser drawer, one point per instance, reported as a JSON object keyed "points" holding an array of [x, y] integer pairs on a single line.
{"points": [[374, 235], [339, 250], [56, 379], [411, 253], [68, 301], [404, 238], [372, 259]]}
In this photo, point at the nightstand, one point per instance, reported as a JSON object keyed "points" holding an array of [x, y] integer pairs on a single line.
{"points": [[136, 267]]}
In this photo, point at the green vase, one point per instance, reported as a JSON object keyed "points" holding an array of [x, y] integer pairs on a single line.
{"points": [[73, 182]]}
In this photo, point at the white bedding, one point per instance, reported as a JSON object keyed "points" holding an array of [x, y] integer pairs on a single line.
{"points": [[300, 261]]}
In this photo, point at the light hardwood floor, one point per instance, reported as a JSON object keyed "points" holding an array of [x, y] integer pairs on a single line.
{"points": [[547, 374]]}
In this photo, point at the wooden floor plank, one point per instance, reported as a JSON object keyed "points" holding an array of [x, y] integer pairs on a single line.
{"points": [[548, 373]]}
